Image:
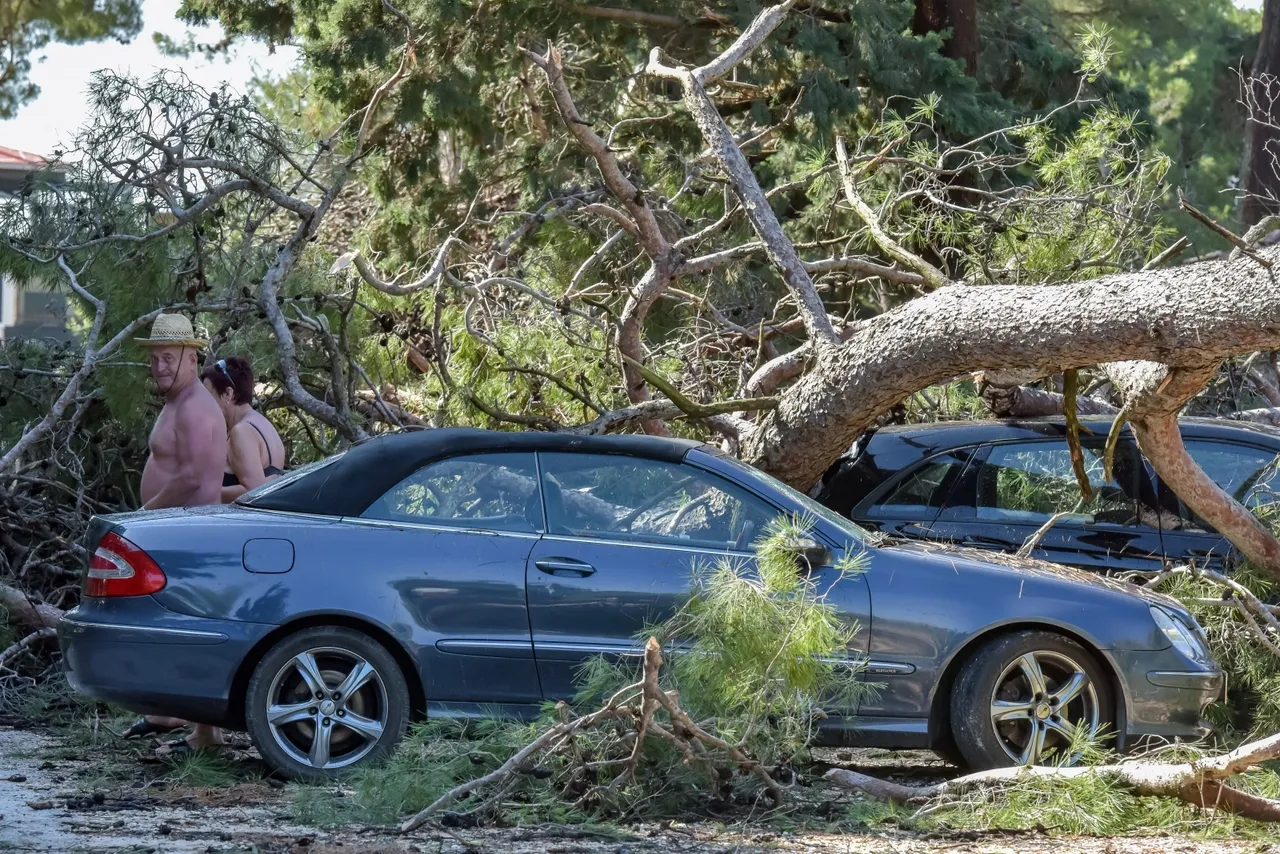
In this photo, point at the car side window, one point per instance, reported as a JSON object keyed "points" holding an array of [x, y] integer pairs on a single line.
{"points": [[624, 498], [495, 492], [1030, 482], [1246, 473], [922, 492]]}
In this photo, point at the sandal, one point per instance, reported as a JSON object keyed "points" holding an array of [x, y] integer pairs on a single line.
{"points": [[142, 727]]}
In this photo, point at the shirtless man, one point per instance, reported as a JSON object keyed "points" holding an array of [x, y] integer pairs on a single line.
{"points": [[189, 442], [184, 469]]}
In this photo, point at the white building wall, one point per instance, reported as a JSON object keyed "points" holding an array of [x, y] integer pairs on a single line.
{"points": [[8, 304]]}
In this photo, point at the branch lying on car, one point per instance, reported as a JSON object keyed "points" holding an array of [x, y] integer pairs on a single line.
{"points": [[1236, 596], [1200, 782]]}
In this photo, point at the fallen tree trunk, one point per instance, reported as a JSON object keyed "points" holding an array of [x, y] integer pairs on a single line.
{"points": [[1186, 317], [1200, 782], [1008, 396], [1264, 415], [25, 612]]}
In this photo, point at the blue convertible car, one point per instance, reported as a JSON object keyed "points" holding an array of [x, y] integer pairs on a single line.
{"points": [[468, 573]]}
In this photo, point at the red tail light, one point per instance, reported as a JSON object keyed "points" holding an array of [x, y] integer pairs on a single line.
{"points": [[119, 568]]}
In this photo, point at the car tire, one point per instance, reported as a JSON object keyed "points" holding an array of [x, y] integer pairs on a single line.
{"points": [[1003, 714], [284, 713]]}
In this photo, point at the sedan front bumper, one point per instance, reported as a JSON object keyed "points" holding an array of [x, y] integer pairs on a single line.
{"points": [[139, 655], [1166, 697]]}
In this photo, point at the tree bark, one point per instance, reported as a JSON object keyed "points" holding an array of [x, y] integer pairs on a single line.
{"points": [[1262, 167], [1266, 415], [1187, 316], [23, 611], [1153, 395], [1200, 782], [958, 16], [1023, 402]]}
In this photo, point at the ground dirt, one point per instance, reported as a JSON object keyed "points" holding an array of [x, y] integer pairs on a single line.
{"points": [[56, 796]]}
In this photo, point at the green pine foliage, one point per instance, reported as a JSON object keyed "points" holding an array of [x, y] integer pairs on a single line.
{"points": [[1252, 707], [840, 69]]}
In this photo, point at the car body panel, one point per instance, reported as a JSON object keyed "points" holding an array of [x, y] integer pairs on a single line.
{"points": [[154, 661], [928, 633], [488, 631]]}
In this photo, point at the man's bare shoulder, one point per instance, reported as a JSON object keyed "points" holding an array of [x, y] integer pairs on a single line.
{"points": [[198, 410]]}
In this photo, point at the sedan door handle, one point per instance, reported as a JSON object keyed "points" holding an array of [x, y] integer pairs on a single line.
{"points": [[564, 566]]}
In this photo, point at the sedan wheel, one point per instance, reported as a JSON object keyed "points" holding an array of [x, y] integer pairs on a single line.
{"points": [[1039, 701], [1022, 697], [325, 700]]}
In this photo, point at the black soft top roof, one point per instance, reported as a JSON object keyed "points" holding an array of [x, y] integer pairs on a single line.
{"points": [[347, 486]]}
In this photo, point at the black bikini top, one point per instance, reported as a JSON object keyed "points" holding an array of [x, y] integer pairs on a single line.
{"points": [[230, 479]]}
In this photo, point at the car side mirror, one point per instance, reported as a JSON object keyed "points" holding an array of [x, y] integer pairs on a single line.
{"points": [[810, 554]]}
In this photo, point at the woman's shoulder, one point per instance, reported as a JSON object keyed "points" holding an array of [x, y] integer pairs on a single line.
{"points": [[263, 424]]}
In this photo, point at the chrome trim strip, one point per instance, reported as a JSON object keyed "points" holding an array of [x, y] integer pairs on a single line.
{"points": [[1187, 680], [894, 668], [457, 644], [152, 629], [290, 513], [594, 648], [443, 529]]}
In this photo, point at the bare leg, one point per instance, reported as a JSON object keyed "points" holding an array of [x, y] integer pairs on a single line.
{"points": [[202, 736], [206, 736], [159, 720]]}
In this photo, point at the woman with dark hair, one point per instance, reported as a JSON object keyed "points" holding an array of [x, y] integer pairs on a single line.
{"points": [[255, 453]]}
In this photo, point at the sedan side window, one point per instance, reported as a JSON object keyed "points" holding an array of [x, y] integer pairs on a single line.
{"points": [[1031, 482], [922, 492], [495, 492], [1246, 473], [624, 498]]}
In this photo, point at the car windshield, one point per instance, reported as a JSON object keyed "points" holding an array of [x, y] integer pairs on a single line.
{"points": [[248, 498], [828, 515]]}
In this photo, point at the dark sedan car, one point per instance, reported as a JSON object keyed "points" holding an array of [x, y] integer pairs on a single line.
{"points": [[992, 484], [469, 573]]}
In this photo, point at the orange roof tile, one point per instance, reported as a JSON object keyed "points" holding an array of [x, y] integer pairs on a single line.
{"points": [[10, 157]]}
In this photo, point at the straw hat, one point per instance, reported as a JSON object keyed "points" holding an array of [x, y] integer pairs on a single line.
{"points": [[172, 330]]}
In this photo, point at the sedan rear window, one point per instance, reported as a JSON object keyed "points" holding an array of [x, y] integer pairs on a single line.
{"points": [[492, 492]]}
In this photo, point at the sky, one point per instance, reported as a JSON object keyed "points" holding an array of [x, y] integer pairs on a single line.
{"points": [[53, 117], [63, 75]]}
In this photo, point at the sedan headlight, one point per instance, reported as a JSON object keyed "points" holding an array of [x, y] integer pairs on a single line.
{"points": [[1184, 638]]}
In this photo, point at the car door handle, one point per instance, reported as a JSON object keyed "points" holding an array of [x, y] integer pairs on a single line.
{"points": [[564, 566]]}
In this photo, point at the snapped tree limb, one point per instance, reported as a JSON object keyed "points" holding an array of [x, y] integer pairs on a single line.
{"points": [[1201, 782]]}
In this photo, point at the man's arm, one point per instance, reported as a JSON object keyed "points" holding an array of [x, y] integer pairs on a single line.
{"points": [[200, 446], [246, 462]]}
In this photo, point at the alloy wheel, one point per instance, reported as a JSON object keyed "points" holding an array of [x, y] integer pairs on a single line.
{"points": [[1041, 700], [328, 707]]}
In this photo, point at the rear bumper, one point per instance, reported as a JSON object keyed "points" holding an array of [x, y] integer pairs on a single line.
{"points": [[138, 655]]}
